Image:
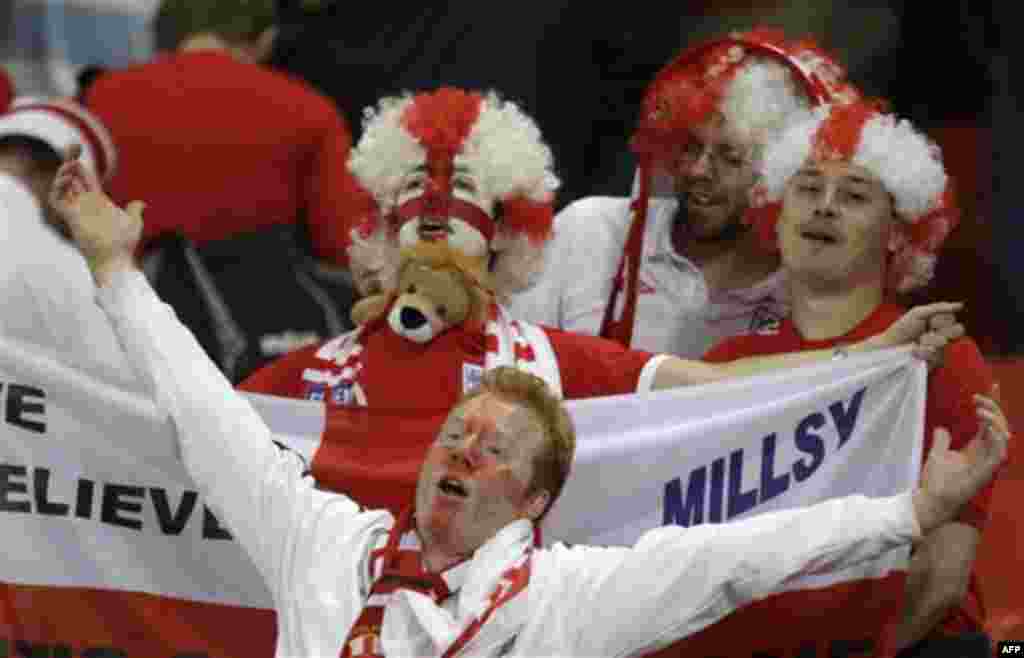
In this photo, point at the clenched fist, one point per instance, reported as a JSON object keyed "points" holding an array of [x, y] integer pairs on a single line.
{"points": [[105, 234]]}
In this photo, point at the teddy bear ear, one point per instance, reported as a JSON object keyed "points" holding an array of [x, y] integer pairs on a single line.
{"points": [[369, 308]]}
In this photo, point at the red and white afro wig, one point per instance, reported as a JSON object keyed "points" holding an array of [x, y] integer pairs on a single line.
{"points": [[756, 80], [907, 162], [442, 132]]}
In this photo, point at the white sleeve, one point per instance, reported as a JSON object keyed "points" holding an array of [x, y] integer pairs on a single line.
{"points": [[261, 491], [676, 581], [580, 262], [594, 238], [540, 303]]}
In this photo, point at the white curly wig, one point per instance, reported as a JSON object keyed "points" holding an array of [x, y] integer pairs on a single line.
{"points": [[504, 147]]}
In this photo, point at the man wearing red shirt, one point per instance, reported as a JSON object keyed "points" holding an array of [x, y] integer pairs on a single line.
{"points": [[243, 169], [859, 203], [217, 143]]}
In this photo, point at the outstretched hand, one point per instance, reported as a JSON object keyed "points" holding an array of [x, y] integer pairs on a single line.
{"points": [[929, 328], [950, 478], [105, 234]]}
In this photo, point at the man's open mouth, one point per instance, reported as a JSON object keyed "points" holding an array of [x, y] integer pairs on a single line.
{"points": [[452, 487], [432, 229], [819, 236]]}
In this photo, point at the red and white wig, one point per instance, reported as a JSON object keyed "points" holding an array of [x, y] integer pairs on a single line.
{"points": [[908, 164], [455, 165], [755, 80]]}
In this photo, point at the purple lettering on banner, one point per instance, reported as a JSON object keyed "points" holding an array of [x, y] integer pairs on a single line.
{"points": [[771, 485], [811, 444], [739, 501], [690, 512], [716, 495], [845, 419]]}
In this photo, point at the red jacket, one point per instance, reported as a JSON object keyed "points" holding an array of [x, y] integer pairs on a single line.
{"points": [[217, 147]]}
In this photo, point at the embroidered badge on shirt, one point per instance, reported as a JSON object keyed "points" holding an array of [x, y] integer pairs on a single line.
{"points": [[342, 395], [316, 392]]}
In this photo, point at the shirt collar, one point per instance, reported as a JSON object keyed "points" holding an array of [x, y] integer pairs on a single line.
{"points": [[661, 212], [772, 286], [506, 541]]}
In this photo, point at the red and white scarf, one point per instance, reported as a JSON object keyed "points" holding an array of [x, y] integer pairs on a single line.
{"points": [[405, 615], [508, 342]]}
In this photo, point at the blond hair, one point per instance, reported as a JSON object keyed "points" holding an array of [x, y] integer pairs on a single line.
{"points": [[551, 465]]}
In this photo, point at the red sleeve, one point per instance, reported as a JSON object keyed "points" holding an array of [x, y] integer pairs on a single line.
{"points": [[951, 390], [282, 377], [595, 367], [328, 191], [726, 350]]}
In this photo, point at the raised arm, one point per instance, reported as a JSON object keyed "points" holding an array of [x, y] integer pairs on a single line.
{"points": [[257, 488], [682, 580], [928, 328]]}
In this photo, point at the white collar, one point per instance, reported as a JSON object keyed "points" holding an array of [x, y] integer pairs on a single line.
{"points": [[415, 625]]}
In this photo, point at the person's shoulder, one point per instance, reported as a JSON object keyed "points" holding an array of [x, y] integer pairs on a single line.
{"points": [[296, 86], [596, 222], [594, 213]]}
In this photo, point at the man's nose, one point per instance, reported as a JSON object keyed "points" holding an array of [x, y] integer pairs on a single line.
{"points": [[468, 450], [826, 204], [700, 165]]}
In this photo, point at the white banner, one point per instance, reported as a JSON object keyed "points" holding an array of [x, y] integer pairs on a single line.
{"points": [[92, 494]]}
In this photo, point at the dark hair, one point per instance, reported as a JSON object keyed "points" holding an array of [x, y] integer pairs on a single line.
{"points": [[44, 158], [232, 20], [85, 78]]}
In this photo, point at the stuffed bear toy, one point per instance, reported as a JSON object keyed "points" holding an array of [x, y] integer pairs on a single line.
{"points": [[438, 287]]}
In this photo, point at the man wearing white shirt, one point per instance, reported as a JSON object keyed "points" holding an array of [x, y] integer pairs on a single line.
{"points": [[457, 574], [701, 275]]}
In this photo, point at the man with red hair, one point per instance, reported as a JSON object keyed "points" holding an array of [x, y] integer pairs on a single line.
{"points": [[675, 268], [468, 169], [859, 203]]}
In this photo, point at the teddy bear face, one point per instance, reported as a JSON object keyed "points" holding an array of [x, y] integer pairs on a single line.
{"points": [[429, 301]]}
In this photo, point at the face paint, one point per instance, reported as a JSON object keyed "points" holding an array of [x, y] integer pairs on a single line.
{"points": [[442, 200]]}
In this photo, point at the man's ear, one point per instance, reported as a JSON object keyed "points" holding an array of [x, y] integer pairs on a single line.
{"points": [[537, 504]]}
